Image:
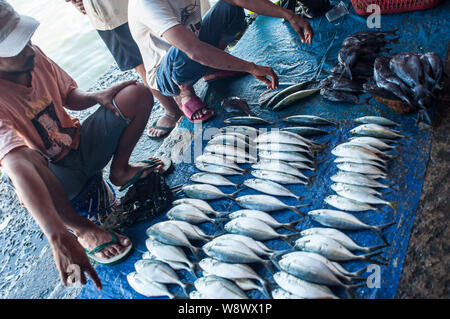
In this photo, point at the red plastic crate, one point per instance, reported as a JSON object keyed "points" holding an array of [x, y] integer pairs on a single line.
{"points": [[393, 6]]}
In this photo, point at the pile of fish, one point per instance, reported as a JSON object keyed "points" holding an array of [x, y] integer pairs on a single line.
{"points": [[356, 59], [410, 77]]}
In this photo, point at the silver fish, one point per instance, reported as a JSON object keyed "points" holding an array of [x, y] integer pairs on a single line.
{"points": [[302, 288], [158, 271], [190, 214], [167, 252], [217, 169], [147, 288], [172, 264], [170, 234], [248, 284], [256, 246], [234, 252], [269, 187], [280, 293], [361, 168], [247, 120], [282, 137], [356, 179], [254, 228], [340, 237], [357, 160], [285, 156], [231, 140], [352, 150], [279, 147], [194, 294], [198, 203], [278, 177], [279, 166], [230, 151], [206, 192], [218, 288], [266, 203], [372, 141], [341, 187], [344, 221], [308, 120], [219, 160], [330, 249], [346, 204], [361, 195], [212, 179], [302, 165], [375, 130], [246, 130], [266, 218], [376, 120], [368, 147], [305, 130], [191, 231]]}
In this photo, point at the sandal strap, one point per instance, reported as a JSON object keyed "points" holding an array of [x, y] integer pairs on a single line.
{"points": [[103, 246]]}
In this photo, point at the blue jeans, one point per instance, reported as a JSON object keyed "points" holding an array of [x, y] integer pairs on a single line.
{"points": [[222, 23]]}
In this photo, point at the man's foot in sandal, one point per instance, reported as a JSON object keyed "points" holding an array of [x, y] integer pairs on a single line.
{"points": [[105, 247], [194, 109], [135, 172], [163, 126]]}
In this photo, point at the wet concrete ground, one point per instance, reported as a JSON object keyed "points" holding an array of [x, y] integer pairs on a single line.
{"points": [[27, 269]]}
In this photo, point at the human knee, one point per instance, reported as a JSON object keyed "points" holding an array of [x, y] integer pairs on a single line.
{"points": [[135, 99]]}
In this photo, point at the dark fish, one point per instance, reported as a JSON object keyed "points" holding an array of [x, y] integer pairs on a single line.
{"points": [[376, 34], [340, 96], [347, 56], [341, 84], [236, 105], [436, 66], [428, 75], [373, 89], [368, 41]]}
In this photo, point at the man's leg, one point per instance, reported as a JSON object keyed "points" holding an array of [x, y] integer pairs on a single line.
{"points": [[177, 73], [171, 116]]}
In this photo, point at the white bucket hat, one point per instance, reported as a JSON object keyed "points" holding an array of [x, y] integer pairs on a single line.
{"points": [[15, 30]]}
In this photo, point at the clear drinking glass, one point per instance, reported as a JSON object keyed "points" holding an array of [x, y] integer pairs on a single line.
{"points": [[337, 12]]}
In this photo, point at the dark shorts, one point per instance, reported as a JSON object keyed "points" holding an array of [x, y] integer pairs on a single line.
{"points": [[222, 22], [122, 47]]}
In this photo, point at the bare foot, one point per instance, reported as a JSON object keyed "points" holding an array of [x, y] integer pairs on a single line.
{"points": [[98, 236], [166, 120], [121, 177]]}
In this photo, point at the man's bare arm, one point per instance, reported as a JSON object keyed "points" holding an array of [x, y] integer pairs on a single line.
{"points": [[206, 54], [25, 167], [267, 8]]}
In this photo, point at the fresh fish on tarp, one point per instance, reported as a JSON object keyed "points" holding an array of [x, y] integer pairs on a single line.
{"points": [[170, 234], [230, 151], [278, 177], [340, 83], [206, 192], [280, 147], [346, 204], [198, 203], [340, 237], [190, 214], [331, 249], [341, 187], [294, 97], [372, 141], [217, 169], [191, 231], [375, 33], [280, 293], [375, 90], [229, 271], [159, 272], [218, 288], [354, 150], [248, 284], [302, 288], [172, 264], [360, 195], [357, 160], [302, 165], [356, 179], [194, 294], [270, 188], [307, 120], [345, 221], [280, 95], [278, 166], [263, 216], [228, 134], [360, 69], [375, 130], [375, 120], [168, 253], [285, 156], [256, 246], [218, 160], [347, 56], [147, 288], [361, 168], [282, 137], [236, 105], [437, 67], [212, 179], [243, 129], [234, 252], [247, 120], [367, 147], [340, 96], [306, 130], [266, 203], [254, 228]]}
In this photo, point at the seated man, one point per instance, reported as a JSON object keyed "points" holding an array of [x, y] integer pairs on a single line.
{"points": [[178, 49], [49, 156]]}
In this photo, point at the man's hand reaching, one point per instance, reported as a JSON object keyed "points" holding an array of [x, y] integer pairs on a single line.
{"points": [[105, 97], [266, 75], [302, 27], [78, 4]]}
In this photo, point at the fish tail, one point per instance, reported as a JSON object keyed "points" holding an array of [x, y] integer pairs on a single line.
{"points": [[297, 210], [274, 256], [291, 237], [358, 273], [298, 198], [184, 287], [393, 205], [268, 265], [376, 247], [233, 195], [195, 252], [265, 290], [291, 226], [367, 257]]}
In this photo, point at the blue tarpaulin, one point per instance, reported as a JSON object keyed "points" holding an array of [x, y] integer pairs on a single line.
{"points": [[272, 42]]}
